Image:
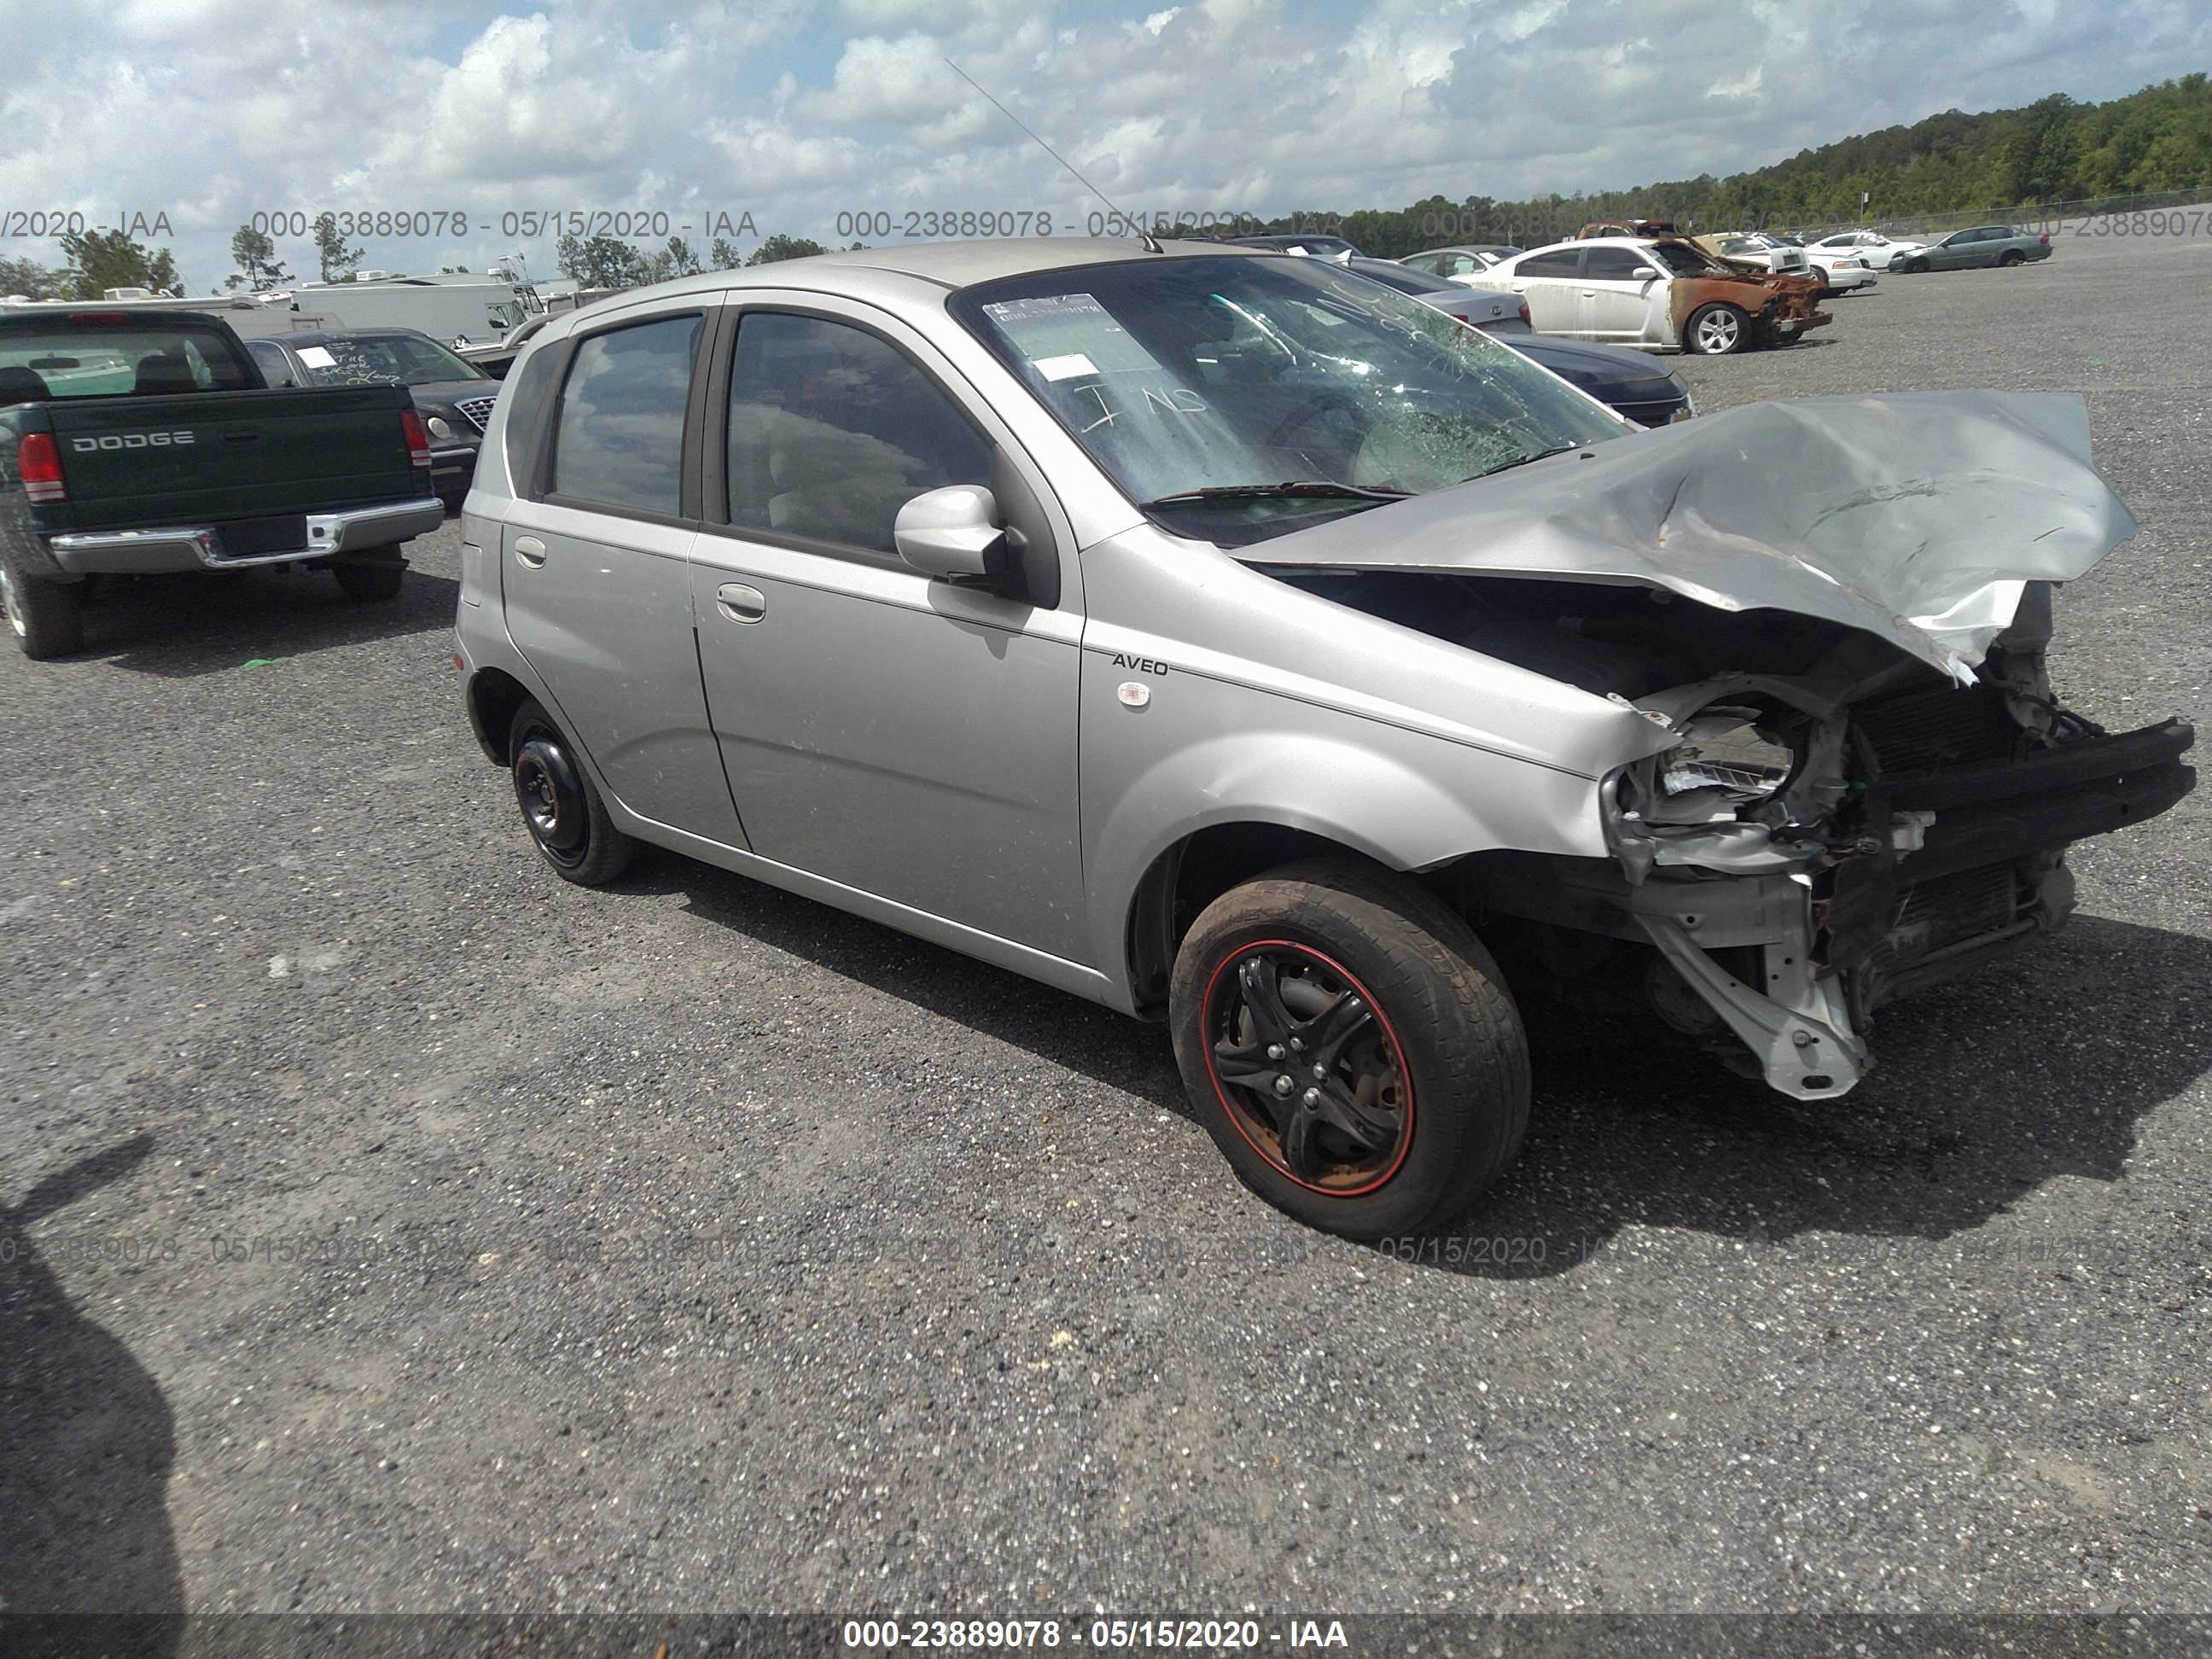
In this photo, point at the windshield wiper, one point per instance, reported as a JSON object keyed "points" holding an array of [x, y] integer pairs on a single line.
{"points": [[1521, 460], [1323, 488]]}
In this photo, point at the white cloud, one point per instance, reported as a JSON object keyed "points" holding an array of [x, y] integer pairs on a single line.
{"points": [[796, 110]]}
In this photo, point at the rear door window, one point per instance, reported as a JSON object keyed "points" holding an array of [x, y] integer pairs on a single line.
{"points": [[618, 437], [1566, 262]]}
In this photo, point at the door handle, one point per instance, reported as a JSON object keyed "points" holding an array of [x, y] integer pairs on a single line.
{"points": [[529, 552], [740, 603]]}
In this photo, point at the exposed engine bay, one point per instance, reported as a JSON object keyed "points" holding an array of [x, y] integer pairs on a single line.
{"points": [[1834, 824]]}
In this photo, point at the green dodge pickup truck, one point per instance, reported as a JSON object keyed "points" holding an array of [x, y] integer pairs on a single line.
{"points": [[134, 443]]}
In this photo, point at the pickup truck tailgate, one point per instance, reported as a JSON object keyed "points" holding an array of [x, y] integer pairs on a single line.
{"points": [[210, 457]]}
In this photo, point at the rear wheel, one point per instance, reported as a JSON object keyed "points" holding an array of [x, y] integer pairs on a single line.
{"points": [[566, 819], [45, 618], [1716, 330], [1351, 1048], [2012, 256], [369, 580]]}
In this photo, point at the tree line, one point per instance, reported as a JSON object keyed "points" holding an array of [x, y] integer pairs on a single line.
{"points": [[2053, 150], [95, 261], [2056, 149]]}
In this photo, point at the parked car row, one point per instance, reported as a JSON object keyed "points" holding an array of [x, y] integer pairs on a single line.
{"points": [[1639, 282], [1628, 382]]}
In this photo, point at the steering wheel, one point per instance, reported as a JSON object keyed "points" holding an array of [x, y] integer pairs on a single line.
{"points": [[1348, 437]]}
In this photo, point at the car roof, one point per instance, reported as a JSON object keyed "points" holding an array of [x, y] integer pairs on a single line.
{"points": [[945, 264], [1639, 243]]}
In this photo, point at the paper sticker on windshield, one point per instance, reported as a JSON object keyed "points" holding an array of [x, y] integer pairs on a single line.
{"points": [[1068, 335], [317, 357]]}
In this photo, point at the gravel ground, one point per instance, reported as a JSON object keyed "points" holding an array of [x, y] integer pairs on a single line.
{"points": [[392, 1227]]}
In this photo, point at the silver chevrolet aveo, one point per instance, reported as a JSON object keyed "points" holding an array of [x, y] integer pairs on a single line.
{"points": [[1237, 643]]}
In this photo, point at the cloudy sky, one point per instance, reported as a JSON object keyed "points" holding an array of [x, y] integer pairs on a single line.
{"points": [[792, 111]]}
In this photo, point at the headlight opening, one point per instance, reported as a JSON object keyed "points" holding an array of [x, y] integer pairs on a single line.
{"points": [[1731, 757]]}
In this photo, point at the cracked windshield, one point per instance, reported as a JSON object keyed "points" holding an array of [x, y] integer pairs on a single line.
{"points": [[1243, 376]]}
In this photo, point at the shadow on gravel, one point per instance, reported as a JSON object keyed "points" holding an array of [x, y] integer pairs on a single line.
{"points": [[86, 1437], [1119, 1052], [1985, 1089], [180, 627]]}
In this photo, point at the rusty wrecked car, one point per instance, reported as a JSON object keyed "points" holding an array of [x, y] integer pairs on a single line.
{"points": [[1659, 291]]}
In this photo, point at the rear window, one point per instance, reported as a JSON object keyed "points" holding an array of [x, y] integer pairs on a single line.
{"points": [[619, 438], [119, 360], [378, 359]]}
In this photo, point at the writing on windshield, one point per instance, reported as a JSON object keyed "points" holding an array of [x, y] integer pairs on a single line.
{"points": [[1182, 375]]}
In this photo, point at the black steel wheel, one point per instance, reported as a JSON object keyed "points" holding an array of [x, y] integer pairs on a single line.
{"points": [[567, 820], [1351, 1048]]}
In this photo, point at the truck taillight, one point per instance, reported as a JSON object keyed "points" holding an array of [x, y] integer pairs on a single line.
{"points": [[418, 440], [38, 463]]}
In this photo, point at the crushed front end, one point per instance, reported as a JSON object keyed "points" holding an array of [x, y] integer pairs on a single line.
{"points": [[1808, 849], [1842, 775]]}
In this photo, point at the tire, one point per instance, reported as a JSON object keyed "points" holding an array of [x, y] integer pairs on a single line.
{"points": [[560, 807], [2012, 256], [45, 618], [369, 581], [1716, 331], [1418, 1034], [1917, 267]]}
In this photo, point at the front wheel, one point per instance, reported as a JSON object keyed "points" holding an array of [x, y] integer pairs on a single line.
{"points": [[1351, 1048], [1716, 330], [1915, 267], [46, 618], [566, 819]]}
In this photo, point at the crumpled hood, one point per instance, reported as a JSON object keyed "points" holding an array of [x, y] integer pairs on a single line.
{"points": [[1918, 517]]}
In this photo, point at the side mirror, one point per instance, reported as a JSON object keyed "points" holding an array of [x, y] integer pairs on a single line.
{"points": [[1652, 276], [952, 532]]}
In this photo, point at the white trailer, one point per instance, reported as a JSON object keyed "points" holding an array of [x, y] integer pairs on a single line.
{"points": [[451, 307]]}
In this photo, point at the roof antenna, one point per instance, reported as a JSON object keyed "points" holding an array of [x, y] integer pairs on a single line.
{"points": [[1145, 240]]}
